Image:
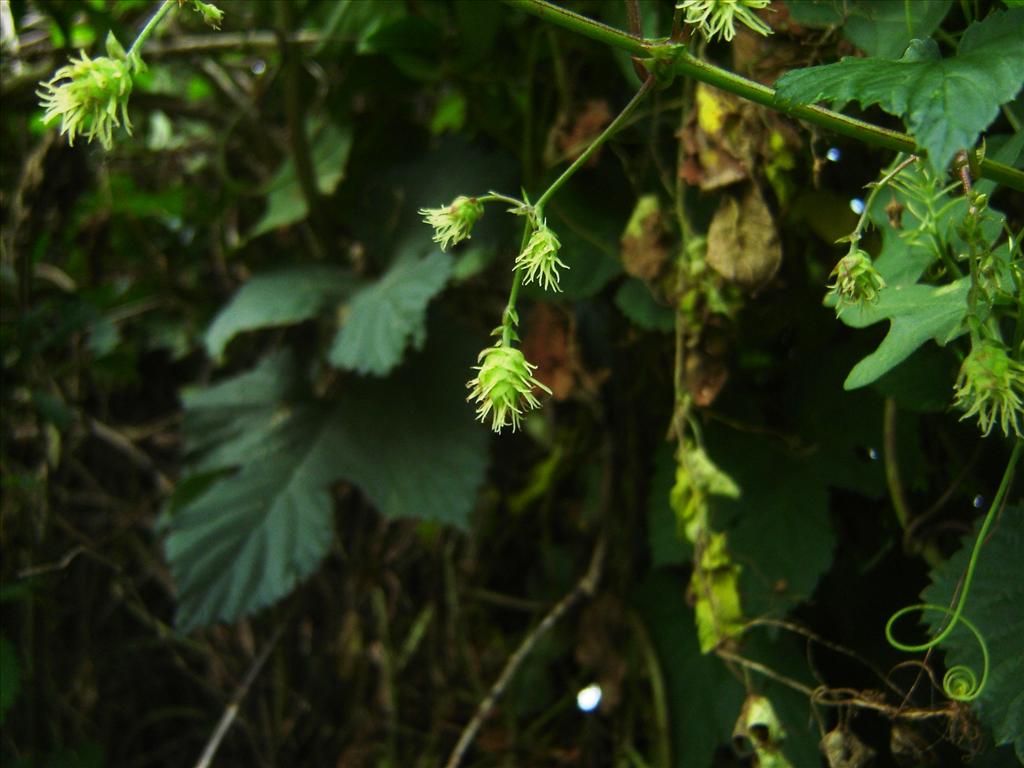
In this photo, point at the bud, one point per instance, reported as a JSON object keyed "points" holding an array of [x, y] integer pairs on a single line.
{"points": [[503, 386], [856, 281], [453, 224], [717, 18], [539, 259], [990, 385], [212, 15], [90, 96]]}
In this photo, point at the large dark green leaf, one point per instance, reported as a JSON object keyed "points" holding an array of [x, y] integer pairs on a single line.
{"points": [[995, 604], [246, 539], [704, 698], [946, 103], [278, 298], [286, 203], [387, 316], [880, 28]]}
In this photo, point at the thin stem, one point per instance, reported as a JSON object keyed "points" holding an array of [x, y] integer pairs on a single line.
{"points": [[688, 65], [876, 187], [613, 126], [956, 613], [151, 25], [583, 589], [510, 319]]}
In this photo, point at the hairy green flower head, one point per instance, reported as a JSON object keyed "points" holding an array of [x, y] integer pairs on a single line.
{"points": [[503, 386], [90, 96], [856, 281], [717, 18], [453, 223], [991, 386], [539, 259]]}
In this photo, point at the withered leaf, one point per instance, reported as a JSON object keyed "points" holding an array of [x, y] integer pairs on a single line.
{"points": [[743, 243]]}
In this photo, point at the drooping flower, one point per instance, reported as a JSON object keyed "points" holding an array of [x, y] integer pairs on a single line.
{"points": [[990, 385], [90, 96], [856, 281], [503, 386], [453, 223], [539, 259], [717, 18]]}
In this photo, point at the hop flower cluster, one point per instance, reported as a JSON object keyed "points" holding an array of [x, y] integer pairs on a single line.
{"points": [[90, 96], [990, 385], [539, 259], [453, 223], [503, 386], [717, 18], [856, 281]]}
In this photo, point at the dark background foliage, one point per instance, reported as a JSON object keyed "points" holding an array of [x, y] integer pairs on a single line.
{"points": [[433, 547]]}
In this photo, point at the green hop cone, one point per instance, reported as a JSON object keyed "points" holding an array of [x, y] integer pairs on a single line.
{"points": [[990, 385], [453, 223], [855, 281], [717, 18], [539, 259], [503, 386], [90, 96]]}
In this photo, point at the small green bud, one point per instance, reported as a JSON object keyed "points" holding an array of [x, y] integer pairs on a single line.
{"points": [[212, 15], [539, 259], [503, 386], [453, 223], [856, 281], [990, 385]]}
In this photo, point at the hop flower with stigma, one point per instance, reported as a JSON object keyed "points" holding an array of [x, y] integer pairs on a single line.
{"points": [[453, 223], [990, 385], [90, 96], [503, 386], [539, 259], [717, 18], [856, 281]]}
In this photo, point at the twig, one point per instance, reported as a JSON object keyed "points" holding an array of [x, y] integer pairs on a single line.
{"points": [[231, 711], [139, 458], [584, 588]]}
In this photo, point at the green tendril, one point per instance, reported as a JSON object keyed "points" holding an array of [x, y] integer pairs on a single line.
{"points": [[960, 683]]}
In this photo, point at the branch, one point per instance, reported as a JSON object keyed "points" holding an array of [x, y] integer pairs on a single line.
{"points": [[585, 588], [686, 64]]}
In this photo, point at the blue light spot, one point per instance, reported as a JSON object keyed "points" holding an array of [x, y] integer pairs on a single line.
{"points": [[588, 698], [978, 502], [857, 206], [873, 454], [833, 154]]}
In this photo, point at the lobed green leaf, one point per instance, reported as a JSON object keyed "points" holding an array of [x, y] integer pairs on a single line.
{"points": [[945, 102]]}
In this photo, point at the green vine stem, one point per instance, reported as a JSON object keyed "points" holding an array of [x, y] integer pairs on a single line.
{"points": [[510, 318], [960, 683], [151, 25], [686, 64]]}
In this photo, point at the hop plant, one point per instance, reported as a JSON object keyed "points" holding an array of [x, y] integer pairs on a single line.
{"points": [[990, 385], [453, 223], [855, 281], [90, 96], [539, 259], [717, 18], [503, 386]]}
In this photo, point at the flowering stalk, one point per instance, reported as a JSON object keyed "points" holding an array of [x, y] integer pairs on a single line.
{"points": [[503, 386], [90, 96]]}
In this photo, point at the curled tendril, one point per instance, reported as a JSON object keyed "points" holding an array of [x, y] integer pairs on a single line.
{"points": [[960, 683]]}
